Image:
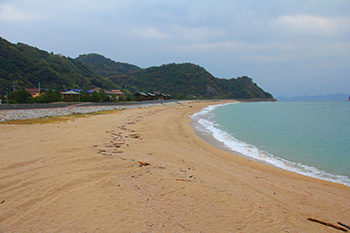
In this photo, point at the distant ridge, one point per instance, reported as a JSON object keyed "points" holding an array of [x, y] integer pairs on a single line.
{"points": [[105, 66], [24, 66], [336, 96], [188, 80], [184, 80]]}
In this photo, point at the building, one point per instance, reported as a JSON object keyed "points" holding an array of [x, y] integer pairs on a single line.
{"points": [[71, 96], [97, 89], [78, 90], [140, 96], [35, 91], [118, 92]]}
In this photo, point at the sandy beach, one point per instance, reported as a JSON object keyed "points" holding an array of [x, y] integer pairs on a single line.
{"points": [[145, 170]]}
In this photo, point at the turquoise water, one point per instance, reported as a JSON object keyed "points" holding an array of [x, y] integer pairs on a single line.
{"points": [[311, 138]]}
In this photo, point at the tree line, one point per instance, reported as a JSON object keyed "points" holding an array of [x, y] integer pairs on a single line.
{"points": [[24, 66], [21, 96]]}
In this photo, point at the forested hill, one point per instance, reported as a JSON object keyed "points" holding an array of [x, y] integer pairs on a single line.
{"points": [[188, 80], [24, 66], [105, 66]]}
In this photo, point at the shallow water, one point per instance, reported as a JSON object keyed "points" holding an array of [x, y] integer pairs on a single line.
{"points": [[311, 138]]}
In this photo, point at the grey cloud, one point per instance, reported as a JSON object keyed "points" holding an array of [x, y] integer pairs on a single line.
{"points": [[281, 44]]}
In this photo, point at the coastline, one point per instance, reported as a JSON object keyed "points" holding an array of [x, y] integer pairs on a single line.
{"points": [[205, 128], [84, 175]]}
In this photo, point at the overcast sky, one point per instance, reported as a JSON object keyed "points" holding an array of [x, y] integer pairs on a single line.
{"points": [[288, 47]]}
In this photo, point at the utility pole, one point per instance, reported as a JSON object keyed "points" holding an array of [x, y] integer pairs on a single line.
{"points": [[39, 88], [7, 95]]}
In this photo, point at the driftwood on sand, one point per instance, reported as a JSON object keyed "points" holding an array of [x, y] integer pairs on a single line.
{"points": [[142, 164], [328, 224], [342, 224]]}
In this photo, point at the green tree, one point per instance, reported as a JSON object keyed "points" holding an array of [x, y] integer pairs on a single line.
{"points": [[114, 97], [103, 95], [2, 97], [128, 96], [20, 96], [95, 97], [85, 96], [49, 96]]}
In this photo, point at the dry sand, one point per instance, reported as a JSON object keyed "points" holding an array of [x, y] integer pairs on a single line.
{"points": [[84, 176]]}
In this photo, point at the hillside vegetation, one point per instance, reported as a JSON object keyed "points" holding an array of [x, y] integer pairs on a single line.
{"points": [[181, 80], [105, 66], [23, 66], [188, 80]]}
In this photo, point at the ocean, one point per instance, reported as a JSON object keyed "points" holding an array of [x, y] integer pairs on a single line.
{"points": [[310, 138]]}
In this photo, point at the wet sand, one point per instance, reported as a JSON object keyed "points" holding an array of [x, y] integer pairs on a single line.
{"points": [[145, 170]]}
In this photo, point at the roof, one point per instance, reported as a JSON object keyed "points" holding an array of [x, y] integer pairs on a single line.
{"points": [[77, 90], [141, 93], [97, 89], [151, 94], [117, 92], [70, 92]]}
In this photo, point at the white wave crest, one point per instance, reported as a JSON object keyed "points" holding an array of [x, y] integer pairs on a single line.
{"points": [[250, 151]]}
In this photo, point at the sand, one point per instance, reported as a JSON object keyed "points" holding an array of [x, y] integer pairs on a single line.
{"points": [[84, 176]]}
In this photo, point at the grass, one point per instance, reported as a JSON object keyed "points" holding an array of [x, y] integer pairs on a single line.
{"points": [[55, 119]]}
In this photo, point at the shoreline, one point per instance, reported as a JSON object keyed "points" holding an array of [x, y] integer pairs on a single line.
{"points": [[146, 170], [206, 133]]}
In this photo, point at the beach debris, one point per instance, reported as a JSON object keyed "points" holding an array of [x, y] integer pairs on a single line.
{"points": [[178, 179], [137, 136], [118, 152], [137, 187], [123, 128], [118, 144], [106, 153], [2, 202], [342, 224], [143, 164], [327, 224]]}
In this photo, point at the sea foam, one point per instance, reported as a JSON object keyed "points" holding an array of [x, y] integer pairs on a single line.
{"points": [[205, 125]]}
